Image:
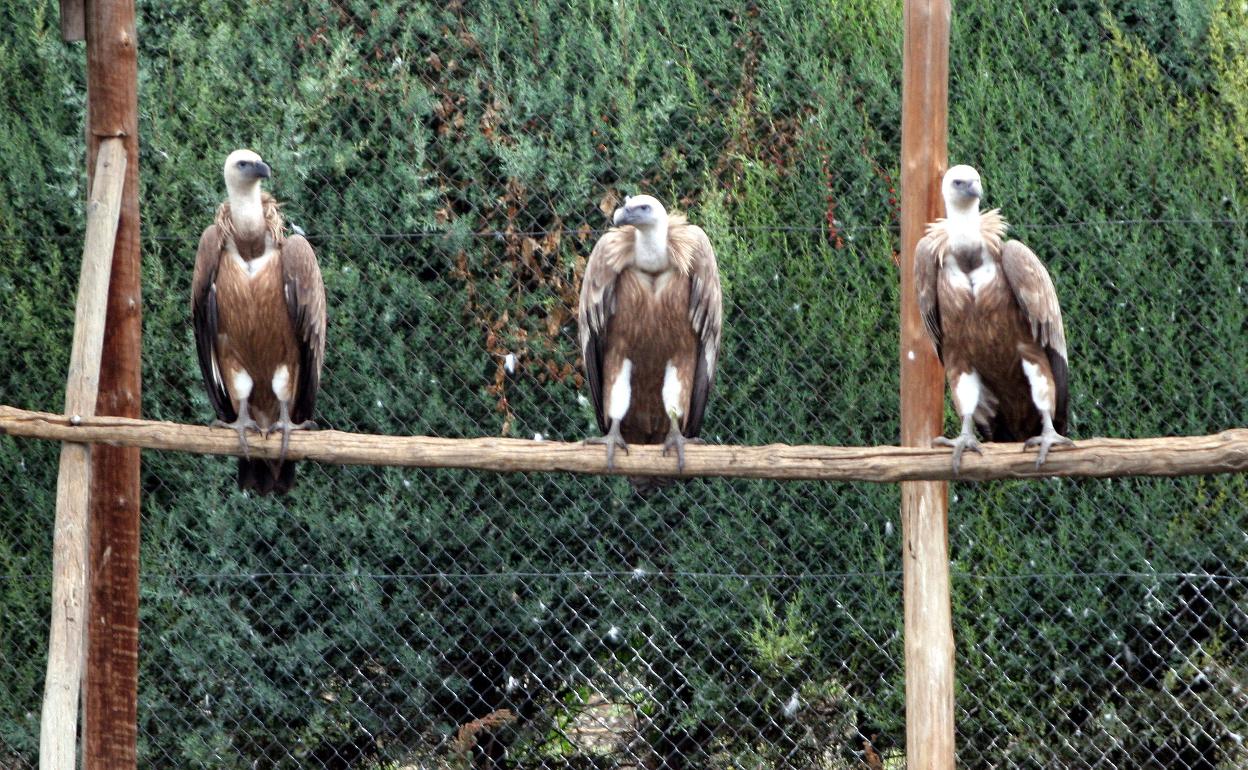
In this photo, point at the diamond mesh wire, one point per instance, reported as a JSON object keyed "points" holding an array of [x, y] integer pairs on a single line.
{"points": [[453, 166]]}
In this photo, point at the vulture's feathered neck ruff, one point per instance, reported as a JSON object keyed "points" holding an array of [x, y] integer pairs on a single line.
{"points": [[650, 251], [658, 249], [250, 216], [967, 224]]}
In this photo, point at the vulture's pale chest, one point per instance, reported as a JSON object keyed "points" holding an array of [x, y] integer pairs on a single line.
{"points": [[253, 318], [652, 316]]}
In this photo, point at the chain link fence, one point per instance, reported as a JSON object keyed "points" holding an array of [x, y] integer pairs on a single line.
{"points": [[453, 167]]}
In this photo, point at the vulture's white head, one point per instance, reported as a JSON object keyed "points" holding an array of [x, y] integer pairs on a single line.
{"points": [[648, 216], [243, 171], [962, 190], [643, 212]]}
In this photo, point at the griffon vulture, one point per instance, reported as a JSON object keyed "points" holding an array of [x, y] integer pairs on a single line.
{"points": [[650, 320], [258, 307], [990, 309]]}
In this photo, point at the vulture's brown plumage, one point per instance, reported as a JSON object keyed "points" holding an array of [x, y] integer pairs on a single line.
{"points": [[991, 311], [650, 321], [258, 307]]}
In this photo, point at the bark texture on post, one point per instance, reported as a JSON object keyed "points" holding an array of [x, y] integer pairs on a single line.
{"points": [[924, 504], [73, 21], [58, 728], [110, 718]]}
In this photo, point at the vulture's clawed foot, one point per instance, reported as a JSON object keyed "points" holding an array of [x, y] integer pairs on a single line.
{"points": [[240, 426], [963, 442], [285, 426], [611, 440], [1046, 441], [676, 440]]}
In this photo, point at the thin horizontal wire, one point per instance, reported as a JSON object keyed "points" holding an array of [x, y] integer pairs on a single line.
{"points": [[647, 575], [501, 235], [1115, 222], [1072, 575], [581, 574], [485, 234]]}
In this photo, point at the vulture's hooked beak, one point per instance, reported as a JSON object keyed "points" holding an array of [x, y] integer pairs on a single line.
{"points": [[262, 170], [623, 216]]}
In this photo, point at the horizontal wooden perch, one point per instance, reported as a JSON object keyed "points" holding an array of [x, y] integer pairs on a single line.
{"points": [[1225, 452]]}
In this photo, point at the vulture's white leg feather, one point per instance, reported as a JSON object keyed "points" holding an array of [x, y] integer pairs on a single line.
{"points": [[281, 383], [621, 392], [966, 394], [672, 392], [1041, 393], [241, 383]]}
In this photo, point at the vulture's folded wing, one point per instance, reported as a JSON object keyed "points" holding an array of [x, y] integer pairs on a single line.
{"points": [[706, 314], [305, 301], [204, 321], [1033, 288], [597, 305], [926, 277]]}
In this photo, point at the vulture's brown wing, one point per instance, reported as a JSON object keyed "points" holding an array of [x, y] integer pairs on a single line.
{"points": [[926, 277], [706, 313], [1033, 288], [610, 255], [305, 301], [204, 320]]}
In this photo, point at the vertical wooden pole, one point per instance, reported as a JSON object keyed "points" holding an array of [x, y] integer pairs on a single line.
{"points": [[111, 688], [924, 505], [73, 21], [58, 727]]}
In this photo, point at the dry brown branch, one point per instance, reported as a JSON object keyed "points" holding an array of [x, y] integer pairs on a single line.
{"points": [[469, 734], [1225, 452]]}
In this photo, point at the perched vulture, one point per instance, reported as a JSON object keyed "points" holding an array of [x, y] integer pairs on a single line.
{"points": [[258, 306], [650, 321], [992, 313]]}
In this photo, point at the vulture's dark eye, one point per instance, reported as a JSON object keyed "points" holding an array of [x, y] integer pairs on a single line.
{"points": [[645, 207], [244, 163]]}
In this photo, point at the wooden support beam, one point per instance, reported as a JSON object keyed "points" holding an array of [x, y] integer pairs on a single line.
{"points": [[59, 725], [924, 505], [1225, 452], [110, 716], [73, 20]]}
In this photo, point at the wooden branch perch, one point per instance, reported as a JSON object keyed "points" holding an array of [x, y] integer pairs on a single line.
{"points": [[1225, 452]]}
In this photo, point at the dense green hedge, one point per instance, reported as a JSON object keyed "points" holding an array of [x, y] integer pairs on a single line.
{"points": [[448, 164]]}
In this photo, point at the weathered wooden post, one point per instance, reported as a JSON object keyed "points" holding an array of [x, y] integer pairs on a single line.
{"points": [[96, 538], [110, 705], [58, 730], [924, 504]]}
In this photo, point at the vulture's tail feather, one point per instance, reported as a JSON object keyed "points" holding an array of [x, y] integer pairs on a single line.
{"points": [[645, 486], [264, 477]]}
